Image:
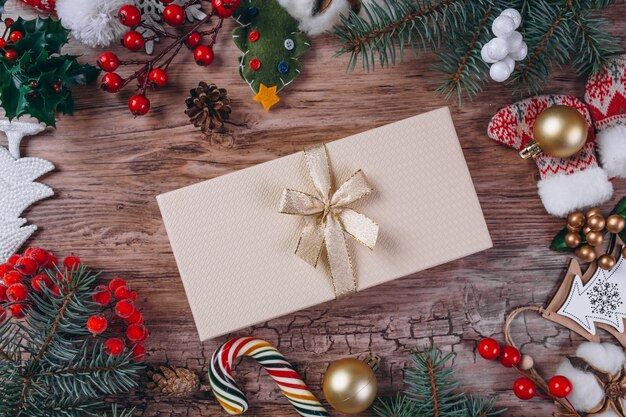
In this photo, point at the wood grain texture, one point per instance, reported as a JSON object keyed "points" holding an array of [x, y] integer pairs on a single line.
{"points": [[110, 168]]}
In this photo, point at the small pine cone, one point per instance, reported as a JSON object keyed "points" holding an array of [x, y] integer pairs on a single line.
{"points": [[174, 381], [208, 107]]}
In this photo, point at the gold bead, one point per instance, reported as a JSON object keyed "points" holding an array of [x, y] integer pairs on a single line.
{"points": [[594, 238], [572, 229], [615, 223], [596, 222], [586, 253], [560, 131], [576, 220], [606, 262], [350, 386], [526, 363], [594, 212], [572, 240], [586, 230]]}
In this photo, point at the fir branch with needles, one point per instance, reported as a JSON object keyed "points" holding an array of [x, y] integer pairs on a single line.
{"points": [[557, 32], [432, 390]]}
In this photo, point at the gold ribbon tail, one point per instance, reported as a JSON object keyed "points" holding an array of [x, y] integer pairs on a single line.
{"points": [[341, 271]]}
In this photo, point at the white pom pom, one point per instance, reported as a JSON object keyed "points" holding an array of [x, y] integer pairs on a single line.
{"points": [[603, 356], [510, 62], [92, 22], [485, 55], [514, 41], [586, 391], [497, 48], [503, 26], [514, 15], [499, 71], [521, 53]]}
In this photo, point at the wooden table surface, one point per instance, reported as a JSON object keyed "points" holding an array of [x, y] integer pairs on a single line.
{"points": [[109, 168]]}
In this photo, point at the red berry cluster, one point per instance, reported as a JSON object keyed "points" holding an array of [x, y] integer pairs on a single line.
{"points": [[153, 73], [6, 44], [25, 273], [119, 314], [524, 388]]}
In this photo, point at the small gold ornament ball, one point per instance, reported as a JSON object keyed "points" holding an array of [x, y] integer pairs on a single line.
{"points": [[560, 131], [350, 386], [615, 223], [572, 240], [576, 220], [526, 363], [606, 262], [586, 253], [596, 222], [594, 238], [594, 212], [586, 230]]}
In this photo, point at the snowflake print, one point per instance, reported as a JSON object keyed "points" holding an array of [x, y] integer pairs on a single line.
{"points": [[604, 298]]}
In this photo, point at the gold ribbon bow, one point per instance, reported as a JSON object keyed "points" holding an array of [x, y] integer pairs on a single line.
{"points": [[328, 217]]}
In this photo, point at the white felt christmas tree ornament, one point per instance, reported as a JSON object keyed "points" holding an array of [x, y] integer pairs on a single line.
{"points": [[17, 176], [92, 22], [507, 47]]}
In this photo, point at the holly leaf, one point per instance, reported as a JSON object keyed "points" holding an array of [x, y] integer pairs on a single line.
{"points": [[40, 35], [558, 243]]}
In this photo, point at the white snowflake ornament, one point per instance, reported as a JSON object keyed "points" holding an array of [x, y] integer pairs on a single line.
{"points": [[17, 186], [507, 47]]}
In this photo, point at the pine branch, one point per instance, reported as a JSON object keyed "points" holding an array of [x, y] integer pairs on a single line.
{"points": [[595, 44]]}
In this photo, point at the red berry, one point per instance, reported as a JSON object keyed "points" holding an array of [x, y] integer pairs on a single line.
{"points": [[18, 310], [116, 283], [510, 357], [40, 281], [111, 82], [129, 15], [12, 277], [97, 324], [8, 22], [10, 54], [38, 254], [3, 43], [3, 292], [17, 292], [193, 40], [135, 318], [524, 388], [133, 40], [135, 332], [15, 36], [101, 295], [4, 268], [71, 262], [114, 346], [26, 265], [108, 61], [139, 105], [122, 293], [138, 352], [174, 15], [13, 259], [560, 386], [158, 77], [489, 349], [56, 290], [225, 8], [52, 260], [145, 334], [203, 55], [124, 308]]}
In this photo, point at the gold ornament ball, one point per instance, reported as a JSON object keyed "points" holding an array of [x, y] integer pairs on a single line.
{"points": [[596, 222], [606, 262], [586, 253], [576, 220], [586, 230], [615, 223], [572, 240], [350, 386], [594, 212], [560, 131], [572, 229], [594, 238], [526, 363]]}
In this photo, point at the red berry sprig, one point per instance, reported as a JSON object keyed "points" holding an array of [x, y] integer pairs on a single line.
{"points": [[525, 388], [7, 44], [154, 72]]}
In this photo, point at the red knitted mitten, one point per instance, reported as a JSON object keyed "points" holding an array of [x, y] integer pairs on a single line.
{"points": [[606, 97], [566, 184]]}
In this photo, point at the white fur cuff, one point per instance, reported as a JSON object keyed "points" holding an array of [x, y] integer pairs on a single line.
{"points": [[611, 144], [562, 194]]}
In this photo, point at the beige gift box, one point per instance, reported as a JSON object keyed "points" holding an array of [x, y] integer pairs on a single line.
{"points": [[235, 251]]}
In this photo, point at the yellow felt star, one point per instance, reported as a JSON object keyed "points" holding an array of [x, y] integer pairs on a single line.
{"points": [[267, 96]]}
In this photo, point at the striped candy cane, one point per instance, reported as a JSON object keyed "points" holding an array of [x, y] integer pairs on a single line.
{"points": [[233, 399]]}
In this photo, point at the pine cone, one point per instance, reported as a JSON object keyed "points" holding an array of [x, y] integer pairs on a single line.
{"points": [[208, 106], [174, 381]]}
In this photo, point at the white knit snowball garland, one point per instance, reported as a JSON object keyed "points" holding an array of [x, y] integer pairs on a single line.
{"points": [[507, 47]]}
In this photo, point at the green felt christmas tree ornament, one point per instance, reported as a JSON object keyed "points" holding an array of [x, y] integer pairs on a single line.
{"points": [[271, 44]]}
